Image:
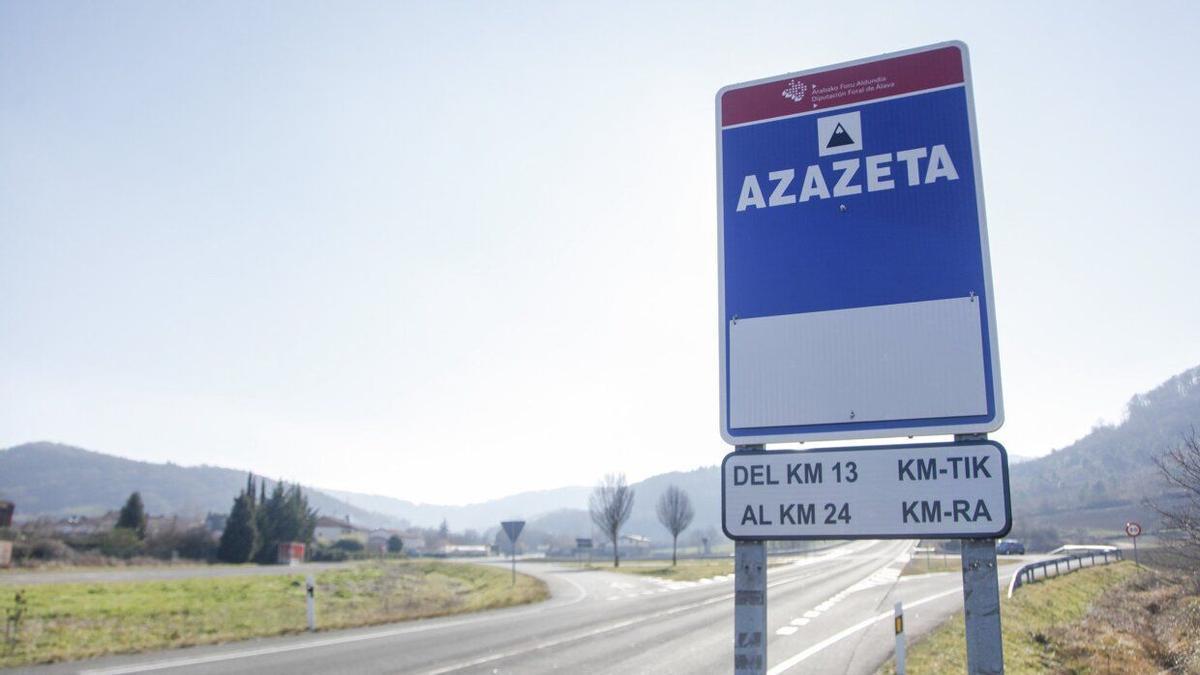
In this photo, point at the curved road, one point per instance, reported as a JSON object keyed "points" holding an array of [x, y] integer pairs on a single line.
{"points": [[830, 613]]}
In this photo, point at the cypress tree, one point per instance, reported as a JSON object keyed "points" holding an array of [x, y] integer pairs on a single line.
{"points": [[270, 519], [240, 538], [133, 516]]}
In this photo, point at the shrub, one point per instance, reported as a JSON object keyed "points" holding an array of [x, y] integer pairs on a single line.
{"points": [[43, 550], [349, 545], [328, 554], [193, 543], [120, 543]]}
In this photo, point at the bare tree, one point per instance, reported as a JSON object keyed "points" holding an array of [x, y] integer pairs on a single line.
{"points": [[675, 513], [1180, 466], [610, 505]]}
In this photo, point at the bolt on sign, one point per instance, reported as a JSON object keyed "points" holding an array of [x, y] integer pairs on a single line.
{"points": [[855, 286]]}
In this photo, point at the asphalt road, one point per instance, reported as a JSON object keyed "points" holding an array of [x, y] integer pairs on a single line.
{"points": [[829, 613]]}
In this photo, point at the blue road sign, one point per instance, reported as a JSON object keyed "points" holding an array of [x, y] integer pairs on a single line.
{"points": [[855, 287], [513, 528]]}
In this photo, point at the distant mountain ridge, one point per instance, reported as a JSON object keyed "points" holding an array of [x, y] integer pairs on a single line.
{"points": [[478, 516], [56, 480], [51, 479], [1090, 486]]}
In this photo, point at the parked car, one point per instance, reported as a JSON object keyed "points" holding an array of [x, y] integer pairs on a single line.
{"points": [[1010, 547]]}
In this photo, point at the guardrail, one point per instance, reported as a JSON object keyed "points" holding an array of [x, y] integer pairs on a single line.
{"points": [[1028, 573]]}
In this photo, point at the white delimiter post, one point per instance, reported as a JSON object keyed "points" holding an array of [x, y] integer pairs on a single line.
{"points": [[311, 588], [750, 602], [981, 599]]}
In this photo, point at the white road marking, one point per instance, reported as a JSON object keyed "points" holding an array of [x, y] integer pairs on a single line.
{"points": [[811, 614], [786, 630], [599, 631], [800, 622], [579, 636], [798, 658]]}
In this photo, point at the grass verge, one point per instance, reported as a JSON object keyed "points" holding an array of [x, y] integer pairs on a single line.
{"points": [[937, 562], [686, 570], [77, 621], [1096, 620]]}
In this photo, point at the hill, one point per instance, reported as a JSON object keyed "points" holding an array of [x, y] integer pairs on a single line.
{"points": [[1097, 483], [49, 479], [1086, 490], [562, 511], [478, 516]]}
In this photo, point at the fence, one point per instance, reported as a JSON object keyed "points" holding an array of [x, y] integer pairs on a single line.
{"points": [[1027, 574]]}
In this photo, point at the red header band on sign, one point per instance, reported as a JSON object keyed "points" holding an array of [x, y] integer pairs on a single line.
{"points": [[852, 84]]}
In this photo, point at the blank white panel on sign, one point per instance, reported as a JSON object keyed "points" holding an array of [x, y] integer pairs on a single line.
{"points": [[913, 360]]}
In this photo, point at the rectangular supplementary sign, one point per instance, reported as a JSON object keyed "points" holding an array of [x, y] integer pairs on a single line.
{"points": [[855, 286], [929, 490]]}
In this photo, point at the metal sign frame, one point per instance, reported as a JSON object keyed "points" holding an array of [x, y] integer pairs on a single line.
{"points": [[872, 428]]}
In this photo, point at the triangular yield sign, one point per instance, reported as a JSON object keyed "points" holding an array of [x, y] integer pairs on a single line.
{"points": [[839, 137], [513, 529]]}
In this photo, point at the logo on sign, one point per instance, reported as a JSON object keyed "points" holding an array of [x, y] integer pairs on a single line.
{"points": [[839, 133], [795, 91]]}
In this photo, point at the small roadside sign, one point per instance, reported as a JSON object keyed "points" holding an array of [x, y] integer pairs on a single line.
{"points": [[513, 528], [1134, 530], [583, 543], [927, 490], [855, 287]]}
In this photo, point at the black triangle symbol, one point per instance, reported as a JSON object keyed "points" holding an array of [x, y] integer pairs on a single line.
{"points": [[839, 137]]}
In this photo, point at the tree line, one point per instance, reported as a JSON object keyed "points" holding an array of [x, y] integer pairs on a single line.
{"points": [[257, 524], [611, 504]]}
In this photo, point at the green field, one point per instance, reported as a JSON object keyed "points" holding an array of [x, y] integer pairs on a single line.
{"points": [[686, 570], [1036, 622], [76, 621]]}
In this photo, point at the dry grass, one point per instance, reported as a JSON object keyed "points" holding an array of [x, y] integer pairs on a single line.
{"points": [[1150, 624], [1106, 620], [76, 621]]}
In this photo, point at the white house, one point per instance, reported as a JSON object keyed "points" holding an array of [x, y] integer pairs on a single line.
{"points": [[329, 530]]}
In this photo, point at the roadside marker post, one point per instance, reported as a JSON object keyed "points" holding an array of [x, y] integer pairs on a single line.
{"points": [[900, 645], [310, 585], [513, 528], [855, 301]]}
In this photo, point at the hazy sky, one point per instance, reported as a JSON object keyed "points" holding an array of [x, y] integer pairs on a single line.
{"points": [[448, 252]]}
